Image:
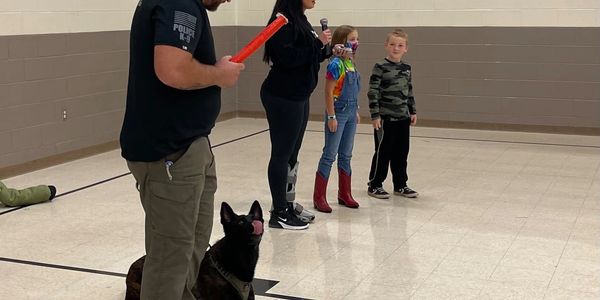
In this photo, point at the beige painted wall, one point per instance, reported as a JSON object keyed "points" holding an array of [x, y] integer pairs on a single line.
{"points": [[379, 13], [18, 17]]}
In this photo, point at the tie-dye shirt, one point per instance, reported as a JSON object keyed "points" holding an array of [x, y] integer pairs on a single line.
{"points": [[336, 70]]}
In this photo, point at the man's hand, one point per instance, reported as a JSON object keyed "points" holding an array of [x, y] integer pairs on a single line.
{"points": [[229, 72]]}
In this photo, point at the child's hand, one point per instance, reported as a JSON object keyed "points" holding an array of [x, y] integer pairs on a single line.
{"points": [[332, 125], [376, 123], [413, 119], [341, 51]]}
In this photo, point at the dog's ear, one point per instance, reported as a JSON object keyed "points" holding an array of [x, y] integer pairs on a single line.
{"points": [[256, 211], [227, 213]]}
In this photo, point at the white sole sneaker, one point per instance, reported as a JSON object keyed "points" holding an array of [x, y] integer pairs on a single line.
{"points": [[413, 195], [379, 196], [282, 225]]}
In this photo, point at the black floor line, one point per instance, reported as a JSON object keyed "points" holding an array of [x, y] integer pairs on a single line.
{"points": [[240, 138], [480, 140], [93, 185], [11, 210], [128, 173], [73, 191], [261, 286], [62, 267]]}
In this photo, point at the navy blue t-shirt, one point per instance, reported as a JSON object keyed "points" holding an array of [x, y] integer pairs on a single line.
{"points": [[160, 120]]}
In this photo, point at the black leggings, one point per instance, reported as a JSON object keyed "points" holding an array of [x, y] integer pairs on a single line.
{"points": [[287, 123]]}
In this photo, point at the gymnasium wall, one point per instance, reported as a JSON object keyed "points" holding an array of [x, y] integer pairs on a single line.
{"points": [[522, 65], [71, 56], [532, 65]]}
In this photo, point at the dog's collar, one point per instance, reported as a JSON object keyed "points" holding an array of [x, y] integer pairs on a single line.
{"points": [[242, 287]]}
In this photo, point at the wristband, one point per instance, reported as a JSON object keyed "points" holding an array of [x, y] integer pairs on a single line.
{"points": [[332, 117]]}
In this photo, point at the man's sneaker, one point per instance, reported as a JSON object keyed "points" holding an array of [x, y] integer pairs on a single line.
{"points": [[286, 219], [303, 214], [378, 192], [406, 192]]}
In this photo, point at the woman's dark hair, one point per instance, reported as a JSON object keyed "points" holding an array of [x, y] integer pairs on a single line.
{"points": [[294, 11]]}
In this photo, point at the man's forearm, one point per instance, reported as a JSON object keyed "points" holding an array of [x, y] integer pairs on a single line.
{"points": [[196, 75]]}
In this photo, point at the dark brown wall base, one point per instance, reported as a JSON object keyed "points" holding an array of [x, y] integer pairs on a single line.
{"points": [[466, 125], [97, 149], [53, 160], [510, 127]]}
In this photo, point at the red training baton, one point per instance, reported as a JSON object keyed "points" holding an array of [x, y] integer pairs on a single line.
{"points": [[260, 39]]}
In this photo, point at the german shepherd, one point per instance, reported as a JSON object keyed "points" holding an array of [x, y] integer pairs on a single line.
{"points": [[227, 270]]}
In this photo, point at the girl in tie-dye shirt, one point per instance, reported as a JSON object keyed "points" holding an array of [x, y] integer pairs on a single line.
{"points": [[341, 117]]}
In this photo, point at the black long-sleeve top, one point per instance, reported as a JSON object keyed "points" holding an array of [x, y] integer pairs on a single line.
{"points": [[295, 62]]}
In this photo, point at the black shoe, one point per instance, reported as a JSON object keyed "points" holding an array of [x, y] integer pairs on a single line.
{"points": [[52, 192], [286, 219], [378, 192], [406, 192]]}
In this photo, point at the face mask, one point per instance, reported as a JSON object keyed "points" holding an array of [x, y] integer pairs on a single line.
{"points": [[353, 46]]}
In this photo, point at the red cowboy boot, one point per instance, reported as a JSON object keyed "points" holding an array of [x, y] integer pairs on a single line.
{"points": [[320, 194], [345, 190]]}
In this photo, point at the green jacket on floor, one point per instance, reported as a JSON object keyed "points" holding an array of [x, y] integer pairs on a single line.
{"points": [[28, 196]]}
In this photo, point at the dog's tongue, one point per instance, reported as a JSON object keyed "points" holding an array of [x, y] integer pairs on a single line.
{"points": [[258, 227]]}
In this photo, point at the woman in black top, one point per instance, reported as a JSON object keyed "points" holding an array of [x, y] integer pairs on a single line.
{"points": [[294, 53]]}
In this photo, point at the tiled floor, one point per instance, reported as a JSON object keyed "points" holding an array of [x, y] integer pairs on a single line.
{"points": [[501, 216]]}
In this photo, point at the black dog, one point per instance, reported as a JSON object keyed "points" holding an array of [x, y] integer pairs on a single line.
{"points": [[227, 270]]}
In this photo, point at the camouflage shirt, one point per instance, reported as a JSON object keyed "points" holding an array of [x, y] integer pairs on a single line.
{"points": [[390, 91]]}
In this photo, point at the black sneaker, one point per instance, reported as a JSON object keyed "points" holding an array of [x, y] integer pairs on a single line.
{"points": [[406, 192], [378, 192], [286, 219]]}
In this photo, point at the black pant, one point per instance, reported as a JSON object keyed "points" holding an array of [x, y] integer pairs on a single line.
{"points": [[287, 123], [392, 143]]}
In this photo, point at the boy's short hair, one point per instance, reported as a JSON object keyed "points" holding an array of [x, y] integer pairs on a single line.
{"points": [[397, 33]]}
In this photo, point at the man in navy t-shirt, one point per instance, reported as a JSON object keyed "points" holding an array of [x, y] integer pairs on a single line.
{"points": [[173, 100]]}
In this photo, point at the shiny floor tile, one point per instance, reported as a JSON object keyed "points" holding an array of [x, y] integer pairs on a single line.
{"points": [[501, 215]]}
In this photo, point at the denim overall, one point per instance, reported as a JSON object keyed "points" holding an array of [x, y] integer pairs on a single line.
{"points": [[341, 142]]}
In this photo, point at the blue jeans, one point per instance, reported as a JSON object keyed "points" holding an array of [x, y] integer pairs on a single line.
{"points": [[341, 142]]}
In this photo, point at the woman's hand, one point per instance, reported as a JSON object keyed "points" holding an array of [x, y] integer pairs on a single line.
{"points": [[332, 125], [357, 118], [325, 37]]}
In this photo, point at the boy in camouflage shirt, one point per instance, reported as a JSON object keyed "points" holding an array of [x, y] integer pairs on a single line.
{"points": [[392, 108]]}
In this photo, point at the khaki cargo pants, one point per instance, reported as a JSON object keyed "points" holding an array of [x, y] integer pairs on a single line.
{"points": [[177, 195]]}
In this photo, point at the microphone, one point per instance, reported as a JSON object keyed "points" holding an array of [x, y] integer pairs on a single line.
{"points": [[328, 50], [324, 23]]}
